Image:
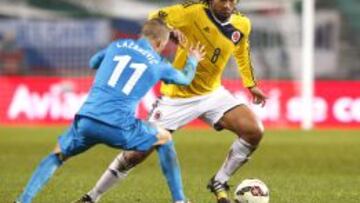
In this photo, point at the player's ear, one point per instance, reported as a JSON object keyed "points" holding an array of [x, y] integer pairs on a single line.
{"points": [[157, 45]]}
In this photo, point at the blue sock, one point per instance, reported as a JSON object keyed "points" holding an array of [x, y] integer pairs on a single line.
{"points": [[171, 170], [42, 174]]}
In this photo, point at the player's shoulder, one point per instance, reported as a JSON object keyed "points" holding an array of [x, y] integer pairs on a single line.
{"points": [[241, 22]]}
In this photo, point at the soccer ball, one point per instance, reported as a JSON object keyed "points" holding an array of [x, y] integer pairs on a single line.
{"points": [[252, 191]]}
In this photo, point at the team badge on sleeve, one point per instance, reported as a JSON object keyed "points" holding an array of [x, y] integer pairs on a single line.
{"points": [[236, 36]]}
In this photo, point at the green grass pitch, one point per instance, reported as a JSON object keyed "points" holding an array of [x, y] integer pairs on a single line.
{"points": [[313, 167]]}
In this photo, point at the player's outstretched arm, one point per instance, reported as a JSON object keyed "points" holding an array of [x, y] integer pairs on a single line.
{"points": [[185, 76]]}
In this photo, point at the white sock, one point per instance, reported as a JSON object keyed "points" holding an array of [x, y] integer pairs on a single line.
{"points": [[238, 155], [116, 172]]}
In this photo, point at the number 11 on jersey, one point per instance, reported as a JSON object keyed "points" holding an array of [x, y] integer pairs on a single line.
{"points": [[123, 62]]}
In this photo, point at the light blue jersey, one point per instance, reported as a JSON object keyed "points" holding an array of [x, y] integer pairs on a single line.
{"points": [[127, 70]]}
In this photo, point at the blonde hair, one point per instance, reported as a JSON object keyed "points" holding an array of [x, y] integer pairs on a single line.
{"points": [[155, 29]]}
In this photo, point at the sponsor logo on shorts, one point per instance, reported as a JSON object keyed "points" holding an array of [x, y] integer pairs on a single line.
{"points": [[157, 115]]}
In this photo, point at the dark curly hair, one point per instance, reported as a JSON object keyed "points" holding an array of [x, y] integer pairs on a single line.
{"points": [[207, 2]]}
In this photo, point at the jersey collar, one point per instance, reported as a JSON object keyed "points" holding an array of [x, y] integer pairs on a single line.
{"points": [[217, 19], [226, 28], [145, 43]]}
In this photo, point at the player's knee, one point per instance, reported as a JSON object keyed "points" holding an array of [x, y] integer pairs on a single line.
{"points": [[256, 134], [253, 134], [59, 154], [166, 136], [163, 136]]}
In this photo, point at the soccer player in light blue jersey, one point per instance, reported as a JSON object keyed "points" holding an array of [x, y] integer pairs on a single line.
{"points": [[126, 70]]}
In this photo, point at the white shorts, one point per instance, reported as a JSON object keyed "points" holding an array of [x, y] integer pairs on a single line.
{"points": [[173, 113]]}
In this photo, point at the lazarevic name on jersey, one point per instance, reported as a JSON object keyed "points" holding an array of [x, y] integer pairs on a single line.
{"points": [[127, 70]]}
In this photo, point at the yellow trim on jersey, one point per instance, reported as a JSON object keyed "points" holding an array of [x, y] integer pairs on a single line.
{"points": [[194, 21]]}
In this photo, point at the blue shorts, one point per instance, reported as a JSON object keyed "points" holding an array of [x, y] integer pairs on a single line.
{"points": [[86, 132]]}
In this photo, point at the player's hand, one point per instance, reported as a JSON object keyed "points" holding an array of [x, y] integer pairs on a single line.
{"points": [[197, 51], [178, 38], [258, 95]]}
